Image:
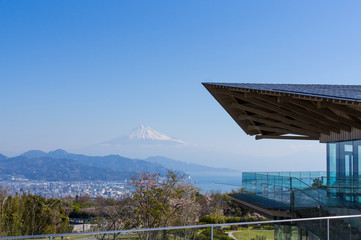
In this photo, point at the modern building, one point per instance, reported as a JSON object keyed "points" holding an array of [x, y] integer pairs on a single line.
{"points": [[330, 114]]}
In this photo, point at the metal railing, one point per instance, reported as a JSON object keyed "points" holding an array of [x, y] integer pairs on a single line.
{"points": [[211, 226]]}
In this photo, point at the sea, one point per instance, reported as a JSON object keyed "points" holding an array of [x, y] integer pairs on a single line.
{"points": [[221, 182]]}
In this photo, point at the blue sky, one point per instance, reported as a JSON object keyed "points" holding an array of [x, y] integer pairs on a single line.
{"points": [[76, 73]]}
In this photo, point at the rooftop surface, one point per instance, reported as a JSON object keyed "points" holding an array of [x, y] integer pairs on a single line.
{"points": [[340, 92]]}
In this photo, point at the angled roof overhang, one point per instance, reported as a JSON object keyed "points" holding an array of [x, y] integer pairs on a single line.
{"points": [[293, 111]]}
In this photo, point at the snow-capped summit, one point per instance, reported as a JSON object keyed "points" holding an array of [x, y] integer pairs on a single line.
{"points": [[143, 135], [141, 142], [147, 133]]}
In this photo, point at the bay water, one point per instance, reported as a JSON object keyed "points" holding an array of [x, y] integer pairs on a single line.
{"points": [[222, 182]]}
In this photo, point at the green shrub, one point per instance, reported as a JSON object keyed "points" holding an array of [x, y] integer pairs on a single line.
{"points": [[251, 219], [212, 219], [233, 220], [268, 227], [208, 219]]}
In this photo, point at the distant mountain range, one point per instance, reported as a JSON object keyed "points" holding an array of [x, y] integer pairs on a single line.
{"points": [[2, 157], [185, 167], [50, 169], [113, 162], [60, 165]]}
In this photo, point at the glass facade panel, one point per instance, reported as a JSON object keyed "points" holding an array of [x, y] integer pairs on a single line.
{"points": [[357, 156], [347, 165], [343, 159], [331, 162], [344, 170]]}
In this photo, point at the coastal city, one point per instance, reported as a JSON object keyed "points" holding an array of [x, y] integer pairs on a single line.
{"points": [[61, 189]]}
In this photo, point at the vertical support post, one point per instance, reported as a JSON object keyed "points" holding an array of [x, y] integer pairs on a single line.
{"points": [[328, 229], [51, 238], [291, 184], [211, 232]]}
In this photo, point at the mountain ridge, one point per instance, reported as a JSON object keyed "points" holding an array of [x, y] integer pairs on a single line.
{"points": [[3, 157], [50, 169], [60, 165], [185, 167], [33, 154]]}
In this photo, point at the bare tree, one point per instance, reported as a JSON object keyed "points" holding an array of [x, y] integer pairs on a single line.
{"points": [[163, 202], [115, 216]]}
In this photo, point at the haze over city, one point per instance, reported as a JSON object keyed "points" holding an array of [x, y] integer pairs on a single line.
{"points": [[75, 74]]}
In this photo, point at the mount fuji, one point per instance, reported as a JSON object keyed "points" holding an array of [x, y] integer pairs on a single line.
{"points": [[139, 143], [144, 135]]}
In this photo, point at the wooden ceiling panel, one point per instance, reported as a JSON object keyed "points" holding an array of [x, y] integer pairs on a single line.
{"points": [[272, 115]]}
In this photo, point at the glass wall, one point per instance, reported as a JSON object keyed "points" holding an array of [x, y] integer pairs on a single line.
{"points": [[344, 159], [344, 169], [283, 190]]}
